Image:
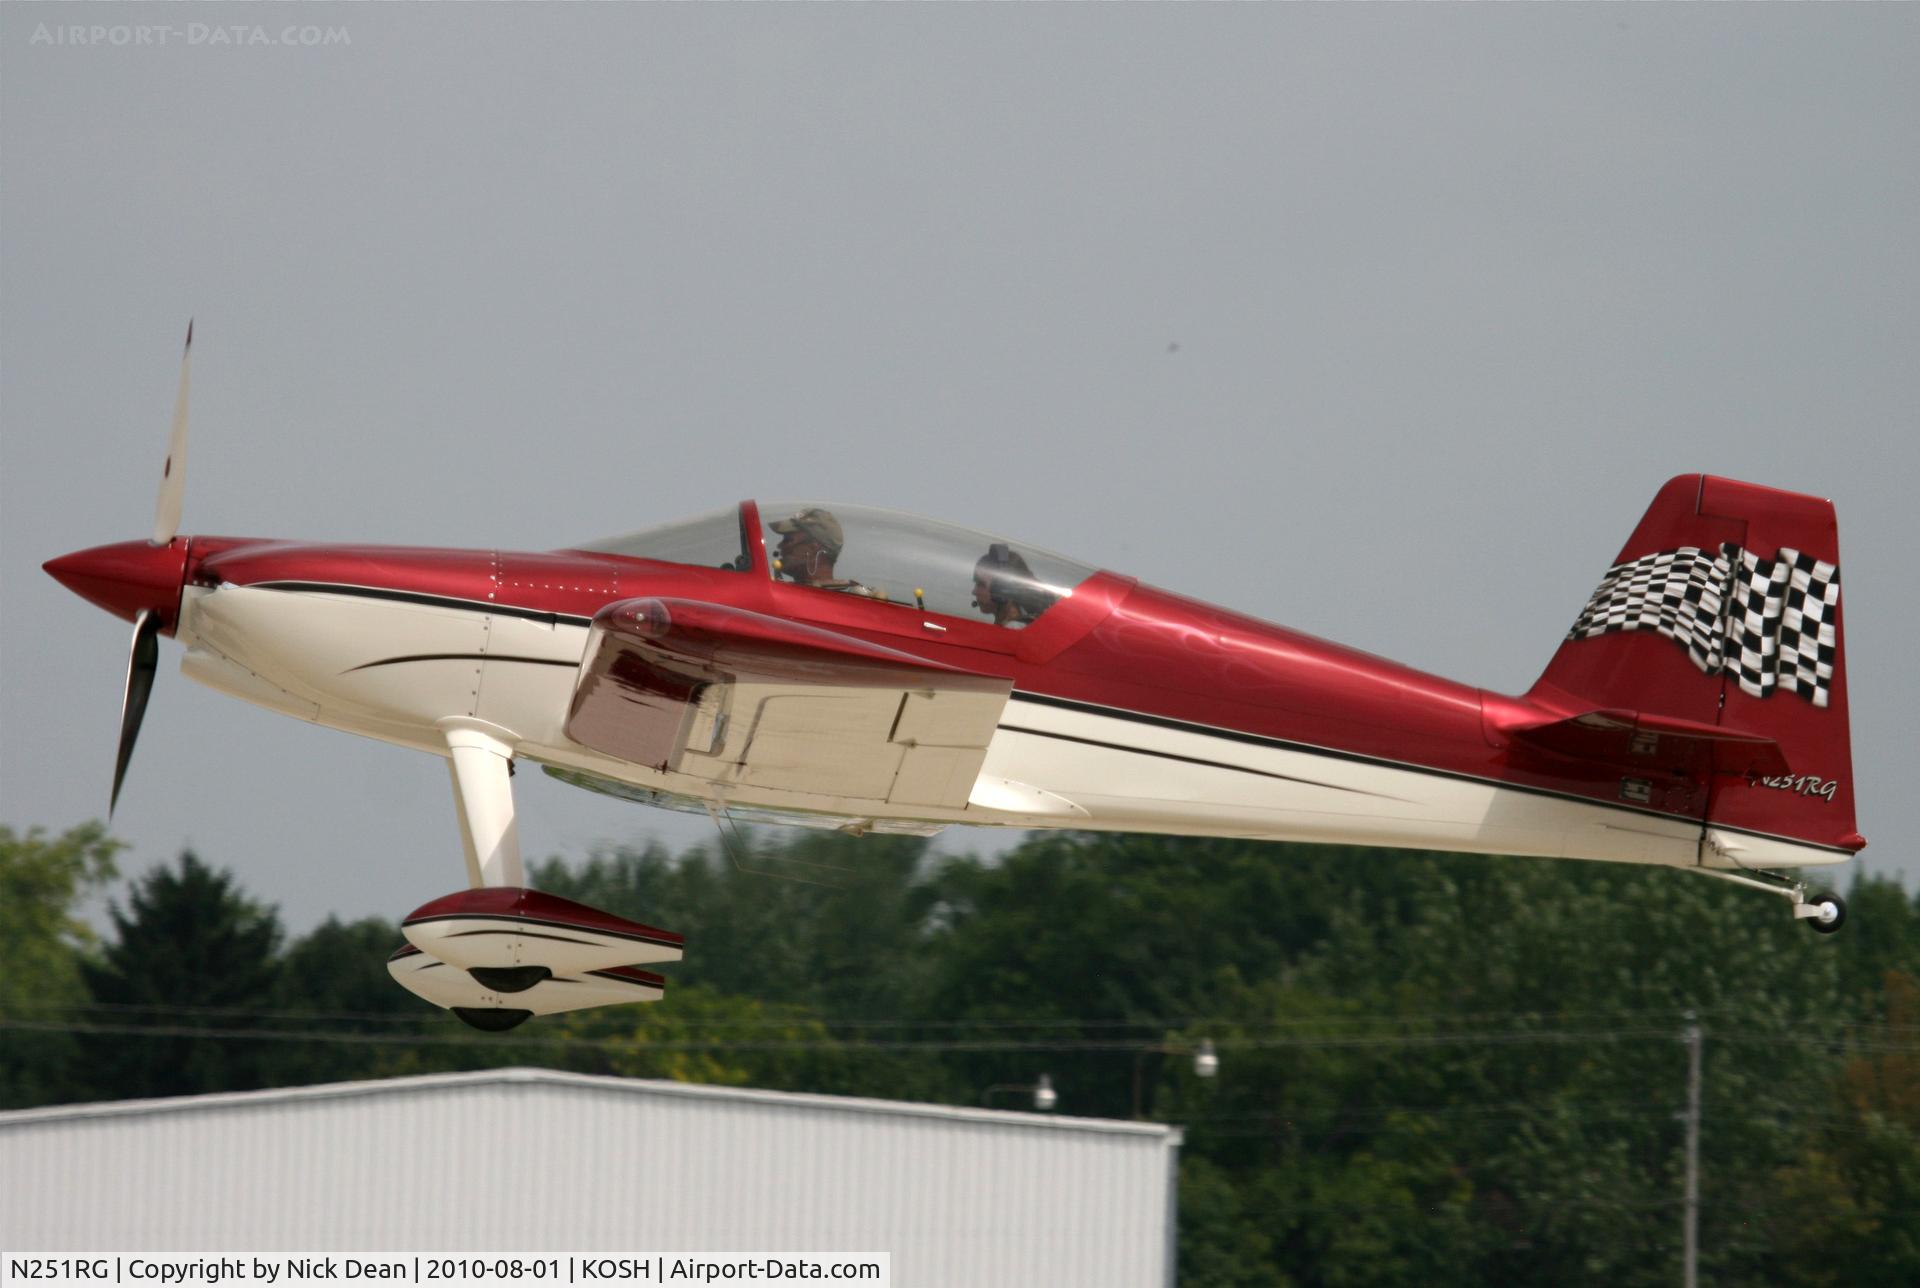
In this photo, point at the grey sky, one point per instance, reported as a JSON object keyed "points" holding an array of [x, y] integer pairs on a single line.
{"points": [[1453, 290]]}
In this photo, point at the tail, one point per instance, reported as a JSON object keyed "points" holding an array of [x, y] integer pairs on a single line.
{"points": [[1719, 629]]}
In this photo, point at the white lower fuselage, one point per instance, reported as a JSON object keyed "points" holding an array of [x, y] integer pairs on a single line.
{"points": [[400, 671]]}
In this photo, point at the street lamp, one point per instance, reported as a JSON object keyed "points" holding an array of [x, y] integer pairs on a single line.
{"points": [[1206, 1064], [1044, 1096]]}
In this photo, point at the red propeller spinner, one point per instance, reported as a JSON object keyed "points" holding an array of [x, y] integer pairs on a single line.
{"points": [[127, 578]]}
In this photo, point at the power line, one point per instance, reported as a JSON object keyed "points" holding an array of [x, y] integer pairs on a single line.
{"points": [[1156, 1024], [1517, 1037]]}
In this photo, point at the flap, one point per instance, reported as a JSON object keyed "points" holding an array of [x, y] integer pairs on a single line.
{"points": [[1641, 740], [744, 699]]}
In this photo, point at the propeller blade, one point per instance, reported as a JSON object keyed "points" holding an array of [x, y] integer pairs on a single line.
{"points": [[173, 475], [141, 664]]}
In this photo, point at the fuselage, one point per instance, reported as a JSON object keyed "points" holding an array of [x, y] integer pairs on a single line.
{"points": [[1133, 709]]}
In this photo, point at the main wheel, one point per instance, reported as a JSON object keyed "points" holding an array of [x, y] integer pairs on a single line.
{"points": [[490, 1019], [510, 979], [1833, 912]]}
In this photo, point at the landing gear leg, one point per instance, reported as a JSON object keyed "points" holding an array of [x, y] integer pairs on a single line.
{"points": [[480, 761], [1824, 910], [498, 954]]}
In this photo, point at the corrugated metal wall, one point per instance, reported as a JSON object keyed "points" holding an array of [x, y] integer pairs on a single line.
{"points": [[532, 1160]]}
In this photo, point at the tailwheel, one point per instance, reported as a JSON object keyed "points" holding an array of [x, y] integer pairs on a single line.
{"points": [[1825, 912]]}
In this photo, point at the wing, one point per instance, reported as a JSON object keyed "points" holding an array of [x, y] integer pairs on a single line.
{"points": [[742, 699]]}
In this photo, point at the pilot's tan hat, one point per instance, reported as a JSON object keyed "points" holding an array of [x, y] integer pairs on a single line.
{"points": [[818, 524]]}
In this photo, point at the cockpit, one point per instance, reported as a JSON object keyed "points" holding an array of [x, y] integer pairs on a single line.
{"points": [[882, 556]]}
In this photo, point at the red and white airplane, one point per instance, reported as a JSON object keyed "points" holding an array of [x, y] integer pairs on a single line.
{"points": [[864, 669]]}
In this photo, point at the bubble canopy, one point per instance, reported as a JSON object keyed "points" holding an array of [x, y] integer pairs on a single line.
{"points": [[864, 551], [716, 539]]}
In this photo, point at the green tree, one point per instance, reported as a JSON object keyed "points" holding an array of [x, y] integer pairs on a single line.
{"points": [[1222, 1245], [189, 951], [332, 983], [1882, 934], [1483, 1086], [1095, 943], [1857, 1184], [712, 1037], [42, 942], [817, 920]]}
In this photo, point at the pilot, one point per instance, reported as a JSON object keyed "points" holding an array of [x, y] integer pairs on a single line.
{"points": [[1005, 589], [810, 542]]}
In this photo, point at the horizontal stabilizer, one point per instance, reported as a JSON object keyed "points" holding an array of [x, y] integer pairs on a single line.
{"points": [[1641, 740]]}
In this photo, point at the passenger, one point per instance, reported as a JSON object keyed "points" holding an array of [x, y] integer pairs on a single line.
{"points": [[810, 543], [1005, 589]]}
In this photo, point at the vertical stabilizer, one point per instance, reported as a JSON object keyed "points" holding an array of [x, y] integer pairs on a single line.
{"points": [[1724, 608]]}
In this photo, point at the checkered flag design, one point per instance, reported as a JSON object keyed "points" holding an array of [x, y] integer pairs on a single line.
{"points": [[1768, 621], [1677, 593], [1780, 615]]}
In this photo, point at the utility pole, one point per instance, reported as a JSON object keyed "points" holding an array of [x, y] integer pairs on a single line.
{"points": [[1690, 1229]]}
